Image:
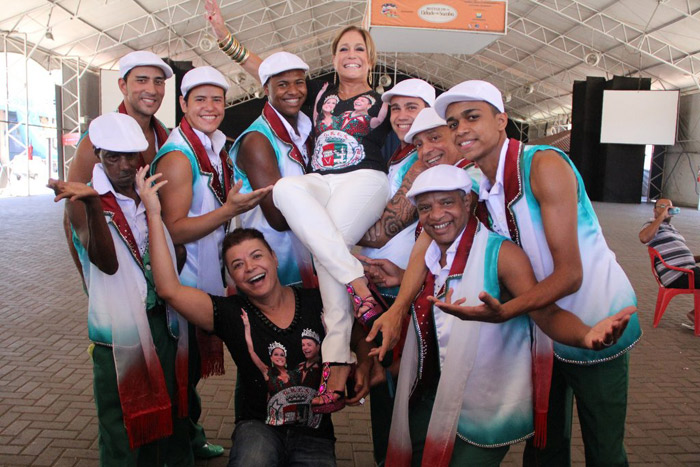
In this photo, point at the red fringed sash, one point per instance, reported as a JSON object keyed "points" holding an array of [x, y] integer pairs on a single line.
{"points": [[211, 348], [143, 393]]}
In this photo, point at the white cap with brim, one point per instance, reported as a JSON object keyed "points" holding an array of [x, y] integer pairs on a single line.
{"points": [[142, 58], [427, 119], [202, 75], [470, 91], [442, 177], [413, 87], [279, 63], [117, 132]]}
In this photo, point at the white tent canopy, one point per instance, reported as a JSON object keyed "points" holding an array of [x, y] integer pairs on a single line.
{"points": [[549, 43]]}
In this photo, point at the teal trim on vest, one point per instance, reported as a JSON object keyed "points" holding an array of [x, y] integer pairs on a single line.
{"points": [[261, 126], [493, 249], [169, 147]]}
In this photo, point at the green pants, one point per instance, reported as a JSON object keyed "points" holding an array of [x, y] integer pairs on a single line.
{"points": [[197, 436], [601, 402], [464, 454], [113, 441]]}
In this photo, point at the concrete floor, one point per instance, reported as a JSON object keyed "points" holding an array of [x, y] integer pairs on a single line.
{"points": [[47, 416]]}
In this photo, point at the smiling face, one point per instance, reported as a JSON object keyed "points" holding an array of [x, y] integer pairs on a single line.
{"points": [[444, 214], [350, 58], [120, 168], [278, 358], [253, 268], [204, 108], [310, 348], [478, 129], [403, 111], [286, 92], [143, 90], [362, 104], [436, 146], [329, 104]]}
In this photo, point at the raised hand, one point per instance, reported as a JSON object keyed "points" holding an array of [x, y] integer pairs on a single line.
{"points": [[241, 203], [607, 331], [71, 190], [148, 189], [389, 324], [213, 15]]}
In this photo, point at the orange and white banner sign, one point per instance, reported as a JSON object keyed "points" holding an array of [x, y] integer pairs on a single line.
{"points": [[459, 15]]}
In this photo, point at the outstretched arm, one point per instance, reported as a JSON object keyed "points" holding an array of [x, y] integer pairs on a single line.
{"points": [[389, 324], [213, 14], [398, 214], [194, 304], [176, 198], [84, 210], [374, 122], [515, 273], [251, 350]]}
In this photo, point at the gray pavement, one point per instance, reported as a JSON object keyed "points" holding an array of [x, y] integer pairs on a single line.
{"points": [[47, 415]]}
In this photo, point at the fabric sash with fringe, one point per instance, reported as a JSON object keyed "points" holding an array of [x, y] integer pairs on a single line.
{"points": [[211, 348], [141, 385]]}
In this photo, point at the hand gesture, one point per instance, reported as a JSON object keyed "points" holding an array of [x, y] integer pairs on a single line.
{"points": [[381, 271], [607, 332], [72, 191], [148, 191], [241, 203], [490, 311], [362, 383], [389, 324], [213, 14]]}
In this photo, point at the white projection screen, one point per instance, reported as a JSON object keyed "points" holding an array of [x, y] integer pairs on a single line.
{"points": [[111, 96], [639, 117]]}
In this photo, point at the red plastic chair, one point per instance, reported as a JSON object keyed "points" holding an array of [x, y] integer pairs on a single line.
{"points": [[665, 295]]}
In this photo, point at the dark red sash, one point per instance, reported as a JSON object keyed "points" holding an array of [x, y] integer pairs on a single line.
{"points": [[204, 163], [278, 128], [423, 310], [111, 207], [513, 188], [400, 154]]}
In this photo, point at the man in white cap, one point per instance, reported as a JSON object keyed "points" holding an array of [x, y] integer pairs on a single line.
{"points": [[536, 197], [197, 204], [489, 364], [277, 144], [135, 385], [142, 76]]}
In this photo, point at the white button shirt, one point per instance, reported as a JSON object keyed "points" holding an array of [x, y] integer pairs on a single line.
{"points": [[495, 196]]}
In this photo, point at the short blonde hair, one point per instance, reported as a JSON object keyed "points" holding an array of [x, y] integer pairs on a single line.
{"points": [[369, 43]]}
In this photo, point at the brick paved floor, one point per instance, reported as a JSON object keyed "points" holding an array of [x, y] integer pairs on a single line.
{"points": [[47, 416]]}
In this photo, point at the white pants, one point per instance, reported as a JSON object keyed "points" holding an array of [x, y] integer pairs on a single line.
{"points": [[330, 214]]}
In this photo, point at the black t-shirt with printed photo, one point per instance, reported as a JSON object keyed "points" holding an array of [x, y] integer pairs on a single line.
{"points": [[282, 398], [349, 134]]}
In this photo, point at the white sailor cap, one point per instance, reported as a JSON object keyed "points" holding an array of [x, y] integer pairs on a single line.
{"points": [[473, 90], [427, 119], [117, 132], [202, 75], [279, 63], [413, 87], [442, 177], [143, 58]]}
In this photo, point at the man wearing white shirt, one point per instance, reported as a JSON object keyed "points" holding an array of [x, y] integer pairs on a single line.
{"points": [[277, 145], [198, 202]]}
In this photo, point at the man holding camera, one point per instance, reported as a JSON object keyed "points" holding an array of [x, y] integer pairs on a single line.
{"points": [[661, 235]]}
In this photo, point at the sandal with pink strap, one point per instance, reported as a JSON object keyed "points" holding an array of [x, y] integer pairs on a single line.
{"points": [[367, 309], [332, 401]]}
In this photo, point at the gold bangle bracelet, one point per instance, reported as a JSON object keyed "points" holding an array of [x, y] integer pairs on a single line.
{"points": [[245, 57], [225, 39]]}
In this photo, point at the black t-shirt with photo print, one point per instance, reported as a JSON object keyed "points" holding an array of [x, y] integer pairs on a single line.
{"points": [[282, 396], [349, 134]]}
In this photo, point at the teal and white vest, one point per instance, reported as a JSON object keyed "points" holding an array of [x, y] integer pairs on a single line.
{"points": [[605, 289], [293, 257], [207, 250]]}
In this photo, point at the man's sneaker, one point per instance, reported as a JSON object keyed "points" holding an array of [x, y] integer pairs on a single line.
{"points": [[207, 451]]}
